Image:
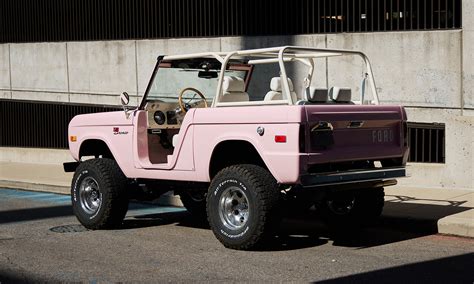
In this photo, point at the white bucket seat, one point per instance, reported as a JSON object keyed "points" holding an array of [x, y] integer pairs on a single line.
{"points": [[276, 94], [234, 90]]}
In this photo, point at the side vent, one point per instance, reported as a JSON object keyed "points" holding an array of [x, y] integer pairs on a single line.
{"points": [[426, 142]]}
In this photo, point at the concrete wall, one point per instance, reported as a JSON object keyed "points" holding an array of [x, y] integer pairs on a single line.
{"points": [[420, 69], [107, 68], [35, 156], [458, 171], [432, 73]]}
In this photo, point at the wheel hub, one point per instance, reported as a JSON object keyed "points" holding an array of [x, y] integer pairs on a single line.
{"points": [[90, 197], [233, 208]]}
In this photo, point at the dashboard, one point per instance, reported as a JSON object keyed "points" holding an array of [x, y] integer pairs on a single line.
{"points": [[163, 115]]}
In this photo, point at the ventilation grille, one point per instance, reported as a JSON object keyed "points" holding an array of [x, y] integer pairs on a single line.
{"points": [[427, 142], [39, 124], [81, 20]]}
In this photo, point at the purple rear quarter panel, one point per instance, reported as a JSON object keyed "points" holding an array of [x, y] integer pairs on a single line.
{"points": [[361, 143]]}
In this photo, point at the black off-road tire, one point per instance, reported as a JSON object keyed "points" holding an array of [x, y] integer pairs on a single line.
{"points": [[263, 196], [194, 203], [366, 209], [111, 187]]}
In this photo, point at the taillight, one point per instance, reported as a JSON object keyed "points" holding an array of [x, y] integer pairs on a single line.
{"points": [[280, 138], [302, 138]]}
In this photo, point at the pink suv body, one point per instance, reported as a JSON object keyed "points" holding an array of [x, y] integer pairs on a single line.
{"points": [[306, 138]]}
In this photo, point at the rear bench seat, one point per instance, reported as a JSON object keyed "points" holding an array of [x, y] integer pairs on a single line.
{"points": [[340, 95], [335, 95]]}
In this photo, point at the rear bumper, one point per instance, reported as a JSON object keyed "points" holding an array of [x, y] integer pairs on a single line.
{"points": [[352, 177]]}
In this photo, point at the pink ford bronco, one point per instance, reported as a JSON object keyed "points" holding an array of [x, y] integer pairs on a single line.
{"points": [[243, 137]]}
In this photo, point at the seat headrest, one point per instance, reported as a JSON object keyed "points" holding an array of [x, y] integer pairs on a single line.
{"points": [[316, 95], [342, 95], [233, 84], [273, 96], [275, 84]]}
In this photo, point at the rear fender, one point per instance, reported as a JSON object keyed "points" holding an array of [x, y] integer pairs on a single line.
{"points": [[281, 159]]}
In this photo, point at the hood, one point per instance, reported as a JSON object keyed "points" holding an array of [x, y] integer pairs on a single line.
{"points": [[113, 118]]}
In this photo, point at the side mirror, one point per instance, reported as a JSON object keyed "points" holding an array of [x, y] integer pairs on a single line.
{"points": [[124, 99]]}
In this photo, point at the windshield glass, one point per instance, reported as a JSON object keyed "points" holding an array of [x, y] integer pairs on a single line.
{"points": [[169, 82]]}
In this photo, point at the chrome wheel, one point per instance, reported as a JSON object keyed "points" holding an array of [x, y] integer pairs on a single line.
{"points": [[233, 208], [90, 196]]}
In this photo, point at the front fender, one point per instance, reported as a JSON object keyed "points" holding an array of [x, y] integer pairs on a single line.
{"points": [[113, 128], [120, 145]]}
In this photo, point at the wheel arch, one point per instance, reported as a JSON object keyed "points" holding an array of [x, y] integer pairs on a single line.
{"points": [[95, 147], [231, 152]]}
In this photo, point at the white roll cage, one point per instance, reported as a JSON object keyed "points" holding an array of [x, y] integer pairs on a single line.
{"points": [[280, 55]]}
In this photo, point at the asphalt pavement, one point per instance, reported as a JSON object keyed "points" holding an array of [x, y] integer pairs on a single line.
{"points": [[40, 240], [450, 209]]}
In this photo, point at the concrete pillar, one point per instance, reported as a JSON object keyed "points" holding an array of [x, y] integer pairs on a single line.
{"points": [[5, 71], [468, 56]]}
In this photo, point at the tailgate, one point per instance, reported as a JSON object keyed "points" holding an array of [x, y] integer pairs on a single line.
{"points": [[353, 132]]}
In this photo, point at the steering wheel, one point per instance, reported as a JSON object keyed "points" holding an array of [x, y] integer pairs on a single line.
{"points": [[182, 105]]}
